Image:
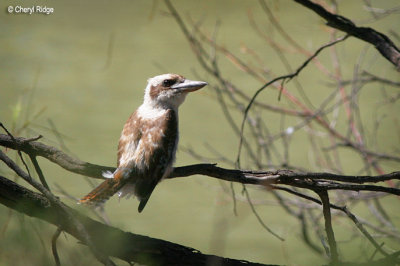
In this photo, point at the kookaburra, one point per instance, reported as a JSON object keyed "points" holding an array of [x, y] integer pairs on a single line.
{"points": [[148, 142]]}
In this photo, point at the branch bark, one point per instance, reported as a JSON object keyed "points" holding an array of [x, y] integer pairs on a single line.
{"points": [[381, 42], [107, 239], [35, 148]]}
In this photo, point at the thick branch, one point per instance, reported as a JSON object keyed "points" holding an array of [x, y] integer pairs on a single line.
{"points": [[107, 239], [381, 42], [78, 226]]}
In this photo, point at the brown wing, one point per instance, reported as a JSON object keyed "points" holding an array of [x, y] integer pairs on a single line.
{"points": [[160, 140]]}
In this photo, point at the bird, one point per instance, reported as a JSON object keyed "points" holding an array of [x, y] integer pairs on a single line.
{"points": [[148, 142]]}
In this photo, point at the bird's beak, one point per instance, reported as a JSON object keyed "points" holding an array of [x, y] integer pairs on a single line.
{"points": [[189, 85]]}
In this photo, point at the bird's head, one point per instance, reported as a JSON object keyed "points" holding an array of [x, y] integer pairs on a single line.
{"points": [[170, 90]]}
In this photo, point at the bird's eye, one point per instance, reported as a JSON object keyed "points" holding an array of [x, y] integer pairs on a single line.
{"points": [[168, 82]]}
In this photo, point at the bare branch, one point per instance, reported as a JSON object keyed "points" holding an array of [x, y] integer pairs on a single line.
{"points": [[54, 246], [265, 178], [381, 42], [54, 155], [39, 171], [323, 194]]}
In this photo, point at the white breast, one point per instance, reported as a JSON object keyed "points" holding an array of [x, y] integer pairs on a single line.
{"points": [[147, 111]]}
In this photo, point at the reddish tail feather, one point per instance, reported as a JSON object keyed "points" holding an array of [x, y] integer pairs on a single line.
{"points": [[103, 191]]}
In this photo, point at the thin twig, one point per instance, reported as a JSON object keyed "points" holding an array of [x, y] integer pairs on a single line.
{"points": [[39, 171], [258, 216], [54, 246], [283, 78], [323, 194]]}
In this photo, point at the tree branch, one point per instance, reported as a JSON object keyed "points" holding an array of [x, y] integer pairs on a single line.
{"points": [[78, 227], [265, 178], [106, 239], [323, 194], [381, 42], [136, 247], [54, 155]]}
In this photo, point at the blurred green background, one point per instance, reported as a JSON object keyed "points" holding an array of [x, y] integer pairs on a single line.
{"points": [[83, 69]]}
